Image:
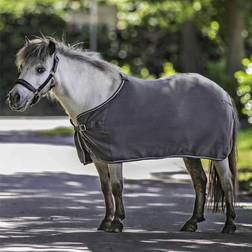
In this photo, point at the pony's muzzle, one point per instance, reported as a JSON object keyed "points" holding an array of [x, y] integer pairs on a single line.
{"points": [[15, 99]]}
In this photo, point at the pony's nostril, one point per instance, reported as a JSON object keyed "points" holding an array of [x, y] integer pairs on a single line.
{"points": [[16, 98]]}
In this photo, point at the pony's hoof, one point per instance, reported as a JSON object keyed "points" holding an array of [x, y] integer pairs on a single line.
{"points": [[189, 227], [202, 218], [105, 226], [122, 215], [229, 228], [116, 226]]}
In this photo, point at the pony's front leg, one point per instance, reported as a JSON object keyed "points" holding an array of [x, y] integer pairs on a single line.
{"points": [[116, 179], [225, 176], [106, 188], [199, 180]]}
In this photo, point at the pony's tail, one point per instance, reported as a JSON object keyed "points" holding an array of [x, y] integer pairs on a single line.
{"points": [[215, 192]]}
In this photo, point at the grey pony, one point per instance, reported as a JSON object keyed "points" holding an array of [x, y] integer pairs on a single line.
{"points": [[122, 118]]}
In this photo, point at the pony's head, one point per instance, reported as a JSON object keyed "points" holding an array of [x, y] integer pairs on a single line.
{"points": [[37, 62]]}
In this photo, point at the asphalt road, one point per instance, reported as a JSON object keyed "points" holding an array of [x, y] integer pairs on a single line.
{"points": [[49, 202]]}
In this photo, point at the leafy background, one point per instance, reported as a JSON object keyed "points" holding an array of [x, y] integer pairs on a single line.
{"points": [[151, 39]]}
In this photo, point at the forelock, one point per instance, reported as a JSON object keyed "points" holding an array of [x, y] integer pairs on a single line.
{"points": [[33, 51]]}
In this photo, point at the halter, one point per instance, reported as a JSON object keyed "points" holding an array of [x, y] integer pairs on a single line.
{"points": [[36, 92]]}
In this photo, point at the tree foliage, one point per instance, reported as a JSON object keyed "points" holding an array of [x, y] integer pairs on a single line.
{"points": [[152, 38], [244, 91]]}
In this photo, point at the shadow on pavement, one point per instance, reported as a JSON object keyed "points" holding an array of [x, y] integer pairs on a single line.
{"points": [[60, 212], [33, 137]]}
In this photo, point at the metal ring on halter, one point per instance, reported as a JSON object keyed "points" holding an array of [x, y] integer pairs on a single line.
{"points": [[82, 127], [49, 79]]}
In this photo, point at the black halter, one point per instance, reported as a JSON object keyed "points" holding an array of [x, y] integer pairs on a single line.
{"points": [[48, 80]]}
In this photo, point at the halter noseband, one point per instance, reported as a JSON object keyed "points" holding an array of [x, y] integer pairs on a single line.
{"points": [[36, 92]]}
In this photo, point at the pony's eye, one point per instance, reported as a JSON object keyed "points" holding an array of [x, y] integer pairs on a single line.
{"points": [[40, 70]]}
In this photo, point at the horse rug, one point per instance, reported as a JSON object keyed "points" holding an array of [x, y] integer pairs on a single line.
{"points": [[185, 115]]}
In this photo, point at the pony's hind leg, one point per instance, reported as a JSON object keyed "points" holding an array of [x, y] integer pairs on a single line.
{"points": [[116, 179], [199, 180], [103, 171], [225, 177]]}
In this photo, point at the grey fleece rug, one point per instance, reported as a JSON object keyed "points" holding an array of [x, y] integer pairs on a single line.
{"points": [[185, 115]]}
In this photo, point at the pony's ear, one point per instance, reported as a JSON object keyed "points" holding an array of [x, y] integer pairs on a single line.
{"points": [[27, 41], [51, 47]]}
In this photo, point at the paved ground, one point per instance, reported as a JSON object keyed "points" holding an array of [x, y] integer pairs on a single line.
{"points": [[8, 123], [49, 202]]}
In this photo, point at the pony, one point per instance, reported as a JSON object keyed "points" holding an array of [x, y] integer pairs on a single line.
{"points": [[81, 81]]}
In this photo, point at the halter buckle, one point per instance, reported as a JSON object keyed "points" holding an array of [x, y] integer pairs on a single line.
{"points": [[35, 98], [82, 127]]}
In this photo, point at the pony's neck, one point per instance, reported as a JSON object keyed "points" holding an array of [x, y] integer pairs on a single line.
{"points": [[81, 86]]}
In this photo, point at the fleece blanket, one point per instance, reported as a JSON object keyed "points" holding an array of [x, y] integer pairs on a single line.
{"points": [[185, 115]]}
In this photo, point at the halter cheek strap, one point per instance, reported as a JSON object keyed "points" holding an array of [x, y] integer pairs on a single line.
{"points": [[49, 79]]}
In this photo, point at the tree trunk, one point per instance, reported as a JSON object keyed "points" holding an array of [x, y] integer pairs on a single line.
{"points": [[235, 48], [235, 41], [191, 56]]}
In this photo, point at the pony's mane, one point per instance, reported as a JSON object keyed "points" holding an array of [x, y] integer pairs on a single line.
{"points": [[36, 50]]}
